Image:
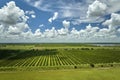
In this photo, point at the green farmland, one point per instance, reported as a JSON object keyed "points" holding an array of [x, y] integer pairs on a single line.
{"points": [[39, 59], [81, 74]]}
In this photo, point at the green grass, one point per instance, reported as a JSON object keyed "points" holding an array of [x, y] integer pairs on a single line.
{"points": [[57, 57], [52, 46], [66, 57], [59, 62], [82, 74]]}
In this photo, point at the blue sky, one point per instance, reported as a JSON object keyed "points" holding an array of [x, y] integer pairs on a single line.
{"points": [[59, 21]]}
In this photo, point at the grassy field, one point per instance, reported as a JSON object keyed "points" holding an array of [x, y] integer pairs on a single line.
{"points": [[53, 46], [59, 62], [82, 74], [60, 57]]}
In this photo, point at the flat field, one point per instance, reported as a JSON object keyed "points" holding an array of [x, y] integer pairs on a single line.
{"points": [[78, 74], [59, 62]]}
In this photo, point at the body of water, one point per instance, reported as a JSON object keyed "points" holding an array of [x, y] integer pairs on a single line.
{"points": [[107, 44]]}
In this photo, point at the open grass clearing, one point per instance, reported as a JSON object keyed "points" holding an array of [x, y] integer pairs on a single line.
{"points": [[78, 74]]}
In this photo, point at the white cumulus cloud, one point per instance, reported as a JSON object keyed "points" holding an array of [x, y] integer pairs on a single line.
{"points": [[63, 31], [13, 24], [55, 16], [50, 33], [66, 24], [96, 9], [41, 25], [13, 20], [11, 14], [33, 16], [37, 33], [31, 13], [114, 21], [1, 29]]}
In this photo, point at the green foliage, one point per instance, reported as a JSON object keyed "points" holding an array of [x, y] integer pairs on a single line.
{"points": [[92, 65], [57, 58]]}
